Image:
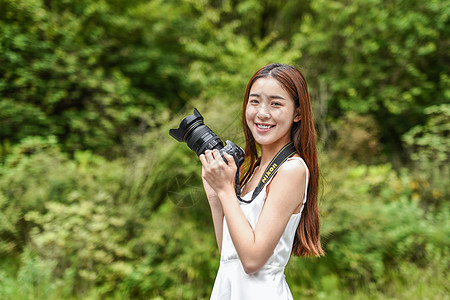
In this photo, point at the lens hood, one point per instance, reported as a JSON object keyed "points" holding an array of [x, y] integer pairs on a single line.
{"points": [[186, 124]]}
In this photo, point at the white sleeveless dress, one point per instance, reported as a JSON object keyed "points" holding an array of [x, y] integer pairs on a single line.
{"points": [[232, 283]]}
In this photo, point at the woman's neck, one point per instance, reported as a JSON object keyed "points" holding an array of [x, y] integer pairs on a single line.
{"points": [[268, 152]]}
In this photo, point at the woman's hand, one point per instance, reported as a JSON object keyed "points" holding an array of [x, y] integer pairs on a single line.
{"points": [[218, 175], [210, 193]]}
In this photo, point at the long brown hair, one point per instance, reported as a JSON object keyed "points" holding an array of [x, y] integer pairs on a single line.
{"points": [[303, 134]]}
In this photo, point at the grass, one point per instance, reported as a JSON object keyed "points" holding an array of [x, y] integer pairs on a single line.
{"points": [[409, 282]]}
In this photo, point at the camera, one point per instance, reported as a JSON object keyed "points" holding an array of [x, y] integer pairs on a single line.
{"points": [[200, 138]]}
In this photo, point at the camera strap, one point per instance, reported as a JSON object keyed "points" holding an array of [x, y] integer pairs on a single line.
{"points": [[276, 162]]}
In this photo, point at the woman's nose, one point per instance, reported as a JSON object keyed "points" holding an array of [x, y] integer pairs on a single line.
{"points": [[263, 112]]}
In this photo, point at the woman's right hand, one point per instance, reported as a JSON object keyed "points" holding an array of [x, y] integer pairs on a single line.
{"points": [[216, 210], [210, 193]]}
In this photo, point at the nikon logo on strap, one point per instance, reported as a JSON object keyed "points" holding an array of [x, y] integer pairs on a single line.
{"points": [[268, 173], [284, 153]]}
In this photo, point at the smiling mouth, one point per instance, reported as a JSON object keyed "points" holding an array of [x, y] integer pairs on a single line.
{"points": [[264, 126]]}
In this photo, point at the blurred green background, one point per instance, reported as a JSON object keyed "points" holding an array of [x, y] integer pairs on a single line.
{"points": [[97, 201]]}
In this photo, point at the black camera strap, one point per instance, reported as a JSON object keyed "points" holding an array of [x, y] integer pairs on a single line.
{"points": [[276, 162]]}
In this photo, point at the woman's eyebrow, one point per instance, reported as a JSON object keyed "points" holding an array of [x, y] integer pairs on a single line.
{"points": [[276, 97], [271, 97]]}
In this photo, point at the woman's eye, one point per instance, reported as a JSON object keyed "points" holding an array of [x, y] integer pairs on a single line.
{"points": [[276, 103], [254, 101]]}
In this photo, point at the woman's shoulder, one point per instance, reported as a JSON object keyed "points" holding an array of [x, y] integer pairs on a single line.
{"points": [[294, 165], [293, 170], [290, 179]]}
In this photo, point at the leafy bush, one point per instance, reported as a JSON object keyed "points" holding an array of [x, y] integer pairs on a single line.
{"points": [[89, 72], [429, 147], [86, 218], [371, 228], [98, 201], [34, 279], [377, 58]]}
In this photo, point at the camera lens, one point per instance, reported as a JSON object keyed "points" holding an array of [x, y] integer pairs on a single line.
{"points": [[198, 136], [203, 138]]}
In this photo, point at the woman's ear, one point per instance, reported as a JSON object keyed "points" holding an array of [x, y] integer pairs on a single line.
{"points": [[297, 116]]}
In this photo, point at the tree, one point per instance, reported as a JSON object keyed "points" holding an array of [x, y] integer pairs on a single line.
{"points": [[382, 58], [88, 72]]}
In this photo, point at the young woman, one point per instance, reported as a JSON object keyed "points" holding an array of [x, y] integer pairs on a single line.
{"points": [[256, 239]]}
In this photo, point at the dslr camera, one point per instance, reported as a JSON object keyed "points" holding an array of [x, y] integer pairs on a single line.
{"points": [[200, 138]]}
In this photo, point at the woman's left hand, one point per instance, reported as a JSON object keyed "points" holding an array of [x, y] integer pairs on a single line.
{"points": [[217, 173]]}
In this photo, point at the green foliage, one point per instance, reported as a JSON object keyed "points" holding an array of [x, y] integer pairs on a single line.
{"points": [[86, 73], [179, 260], [372, 229], [377, 224], [98, 201], [83, 218], [34, 279], [380, 58], [429, 145], [356, 136], [101, 239], [23, 189], [51, 72], [260, 19]]}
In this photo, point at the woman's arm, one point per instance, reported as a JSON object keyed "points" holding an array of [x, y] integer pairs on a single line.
{"points": [[216, 211], [255, 246]]}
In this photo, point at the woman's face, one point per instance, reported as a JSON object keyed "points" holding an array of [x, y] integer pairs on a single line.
{"points": [[270, 113]]}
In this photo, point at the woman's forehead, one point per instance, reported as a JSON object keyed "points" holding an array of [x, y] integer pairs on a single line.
{"points": [[268, 87]]}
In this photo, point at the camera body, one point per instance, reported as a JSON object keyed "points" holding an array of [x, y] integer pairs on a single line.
{"points": [[235, 151], [200, 138]]}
